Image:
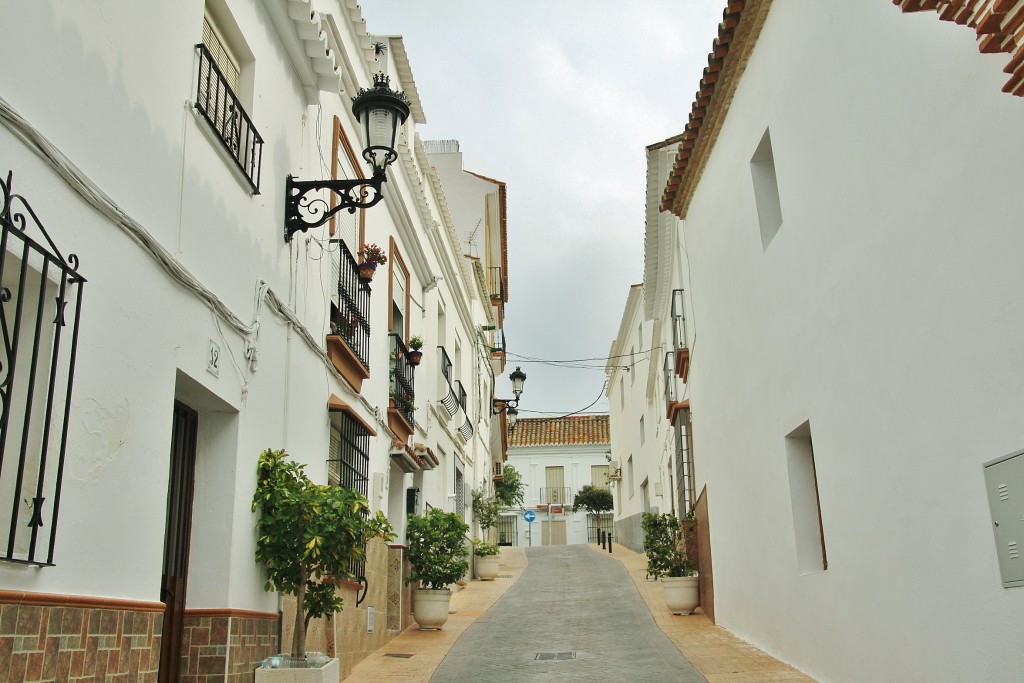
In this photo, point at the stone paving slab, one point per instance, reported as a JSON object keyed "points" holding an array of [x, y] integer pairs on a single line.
{"points": [[720, 656], [717, 653], [573, 616], [428, 648]]}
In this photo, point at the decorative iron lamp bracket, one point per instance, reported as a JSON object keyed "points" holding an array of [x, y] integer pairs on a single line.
{"points": [[304, 209]]}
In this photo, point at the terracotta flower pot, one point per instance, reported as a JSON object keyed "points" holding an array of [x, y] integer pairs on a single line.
{"points": [[414, 356], [366, 270]]}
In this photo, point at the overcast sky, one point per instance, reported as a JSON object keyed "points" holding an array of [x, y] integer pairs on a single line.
{"points": [[558, 98]]}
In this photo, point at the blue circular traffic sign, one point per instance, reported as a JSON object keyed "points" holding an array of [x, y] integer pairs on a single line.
{"points": [[529, 515]]}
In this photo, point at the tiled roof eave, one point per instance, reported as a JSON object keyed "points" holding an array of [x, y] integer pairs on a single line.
{"points": [[737, 33]]}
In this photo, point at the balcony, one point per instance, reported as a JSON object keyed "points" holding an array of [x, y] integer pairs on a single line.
{"points": [[220, 106], [682, 352], [674, 401], [555, 495], [402, 408], [348, 344], [495, 285], [455, 398]]}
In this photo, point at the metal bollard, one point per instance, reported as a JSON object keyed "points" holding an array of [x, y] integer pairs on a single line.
{"points": [[609, 543]]}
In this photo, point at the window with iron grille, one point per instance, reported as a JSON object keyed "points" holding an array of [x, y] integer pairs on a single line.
{"points": [[40, 305], [348, 463]]}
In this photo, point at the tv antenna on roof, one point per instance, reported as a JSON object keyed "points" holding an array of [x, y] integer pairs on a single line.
{"points": [[471, 237]]}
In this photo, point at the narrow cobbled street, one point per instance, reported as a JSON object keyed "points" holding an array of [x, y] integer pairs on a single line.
{"points": [[573, 599], [574, 615]]}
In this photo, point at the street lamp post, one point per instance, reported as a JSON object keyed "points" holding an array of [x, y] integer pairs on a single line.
{"points": [[381, 111]]}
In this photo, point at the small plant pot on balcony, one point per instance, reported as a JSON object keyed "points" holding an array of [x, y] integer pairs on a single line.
{"points": [[430, 608], [414, 356], [366, 270], [681, 594]]}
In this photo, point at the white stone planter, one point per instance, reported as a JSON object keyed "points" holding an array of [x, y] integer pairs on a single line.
{"points": [[487, 567], [681, 594], [430, 608], [328, 673]]}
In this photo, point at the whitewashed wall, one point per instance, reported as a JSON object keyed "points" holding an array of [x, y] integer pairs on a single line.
{"points": [[886, 311], [111, 90]]}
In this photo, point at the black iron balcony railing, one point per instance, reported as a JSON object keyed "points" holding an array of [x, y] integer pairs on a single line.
{"points": [[671, 390], [350, 312], [498, 341], [495, 284], [403, 386], [221, 108], [555, 495], [446, 364], [678, 320], [460, 391], [40, 312]]}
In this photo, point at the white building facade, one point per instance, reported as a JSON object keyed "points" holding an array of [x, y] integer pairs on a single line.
{"points": [[556, 457], [647, 372], [849, 189], [205, 334]]}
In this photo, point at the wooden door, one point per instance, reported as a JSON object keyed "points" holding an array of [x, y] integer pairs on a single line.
{"points": [[177, 532], [552, 533]]}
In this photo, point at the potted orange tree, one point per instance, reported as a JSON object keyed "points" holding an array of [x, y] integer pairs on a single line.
{"points": [[307, 535]]}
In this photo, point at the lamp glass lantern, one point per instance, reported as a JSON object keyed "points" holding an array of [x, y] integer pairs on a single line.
{"points": [[381, 111], [511, 417], [518, 378]]}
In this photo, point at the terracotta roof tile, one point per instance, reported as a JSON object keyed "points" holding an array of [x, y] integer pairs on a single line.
{"points": [[560, 431]]}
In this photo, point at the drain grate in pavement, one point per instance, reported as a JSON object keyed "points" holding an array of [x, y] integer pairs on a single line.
{"points": [[397, 654], [504, 576], [549, 656]]}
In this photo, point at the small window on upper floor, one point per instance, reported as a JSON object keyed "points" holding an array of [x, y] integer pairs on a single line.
{"points": [[766, 190]]}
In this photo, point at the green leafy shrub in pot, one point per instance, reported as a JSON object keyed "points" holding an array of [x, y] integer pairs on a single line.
{"points": [[436, 548], [307, 535], [484, 549], [663, 546]]}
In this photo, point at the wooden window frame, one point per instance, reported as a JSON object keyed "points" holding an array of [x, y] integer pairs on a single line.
{"points": [[340, 141], [396, 258]]}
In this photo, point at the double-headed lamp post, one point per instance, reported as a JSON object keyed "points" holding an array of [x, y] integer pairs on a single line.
{"points": [[509, 407], [381, 111]]}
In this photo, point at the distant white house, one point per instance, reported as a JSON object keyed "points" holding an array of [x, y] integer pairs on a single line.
{"points": [[556, 457]]}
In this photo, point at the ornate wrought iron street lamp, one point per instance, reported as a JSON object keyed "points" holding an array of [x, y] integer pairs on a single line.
{"points": [[498, 405], [381, 111]]}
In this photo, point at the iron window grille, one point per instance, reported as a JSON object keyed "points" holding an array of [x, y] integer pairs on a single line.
{"points": [[37, 368], [402, 380], [348, 465], [686, 493], [350, 307], [221, 108], [460, 494]]}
